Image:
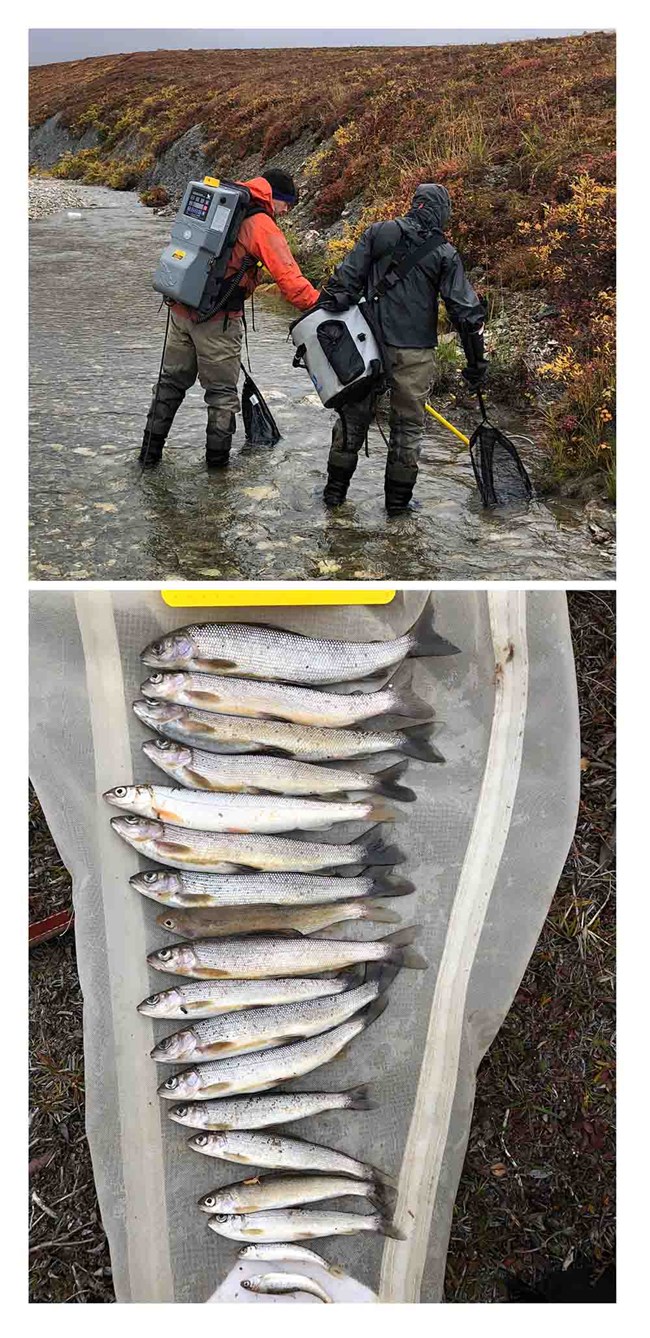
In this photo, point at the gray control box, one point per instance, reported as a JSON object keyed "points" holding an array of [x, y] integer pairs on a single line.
{"points": [[205, 225]]}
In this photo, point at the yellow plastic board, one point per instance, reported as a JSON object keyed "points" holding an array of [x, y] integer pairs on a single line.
{"points": [[245, 596]]}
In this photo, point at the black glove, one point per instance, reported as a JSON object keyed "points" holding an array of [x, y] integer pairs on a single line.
{"points": [[475, 376], [333, 301]]}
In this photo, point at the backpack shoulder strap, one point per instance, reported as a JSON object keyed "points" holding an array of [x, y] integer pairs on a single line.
{"points": [[404, 261]]}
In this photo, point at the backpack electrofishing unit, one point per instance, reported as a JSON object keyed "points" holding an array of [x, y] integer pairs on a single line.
{"points": [[192, 267]]}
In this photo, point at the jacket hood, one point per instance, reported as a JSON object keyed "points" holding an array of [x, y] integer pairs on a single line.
{"points": [[261, 192], [431, 207]]}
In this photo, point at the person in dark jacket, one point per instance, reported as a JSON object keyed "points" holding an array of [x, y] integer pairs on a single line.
{"points": [[406, 316]]}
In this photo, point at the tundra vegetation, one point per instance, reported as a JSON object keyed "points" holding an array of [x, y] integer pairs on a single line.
{"points": [[522, 134]]}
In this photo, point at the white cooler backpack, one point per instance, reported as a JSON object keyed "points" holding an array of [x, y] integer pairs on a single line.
{"points": [[340, 353]]}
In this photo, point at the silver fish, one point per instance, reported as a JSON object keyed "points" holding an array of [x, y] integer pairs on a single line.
{"points": [[255, 957], [275, 1152], [224, 923], [285, 1284], [262, 1028], [300, 1224], [195, 810], [266, 1068], [196, 890], [308, 743], [216, 852], [258, 1112], [285, 1253], [263, 1193], [268, 653], [208, 998], [277, 701], [253, 773]]}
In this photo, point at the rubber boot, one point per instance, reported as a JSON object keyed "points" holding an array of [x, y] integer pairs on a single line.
{"points": [[397, 495], [348, 437], [338, 482], [167, 399], [218, 440], [151, 450]]}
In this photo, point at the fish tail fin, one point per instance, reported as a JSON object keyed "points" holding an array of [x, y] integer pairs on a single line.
{"points": [[383, 973], [380, 812], [426, 641], [373, 1011], [401, 951], [415, 741], [387, 1228], [358, 1098], [407, 702], [386, 783], [378, 911], [390, 884], [378, 852], [384, 1196]]}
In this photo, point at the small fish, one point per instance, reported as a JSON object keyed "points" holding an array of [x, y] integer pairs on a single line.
{"points": [[224, 923], [275, 1152], [208, 998], [300, 1224], [266, 1068], [307, 743], [256, 651], [263, 1193], [285, 1284], [196, 890], [258, 1112], [277, 701], [255, 958], [261, 1028], [217, 852], [287, 1254], [194, 810], [254, 774]]}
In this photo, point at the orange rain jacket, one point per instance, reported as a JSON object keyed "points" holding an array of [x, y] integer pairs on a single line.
{"points": [[259, 236]]}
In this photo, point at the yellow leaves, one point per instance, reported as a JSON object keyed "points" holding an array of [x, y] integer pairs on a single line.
{"points": [[327, 567]]}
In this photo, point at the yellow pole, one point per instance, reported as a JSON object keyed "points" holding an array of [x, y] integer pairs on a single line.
{"points": [[449, 426]]}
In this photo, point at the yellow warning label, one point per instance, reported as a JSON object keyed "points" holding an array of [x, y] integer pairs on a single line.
{"points": [[178, 255], [211, 181]]}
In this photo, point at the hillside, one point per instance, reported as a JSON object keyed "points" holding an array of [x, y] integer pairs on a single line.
{"points": [[522, 134]]}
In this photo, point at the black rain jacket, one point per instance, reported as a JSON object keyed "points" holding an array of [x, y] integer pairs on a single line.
{"points": [[409, 311]]}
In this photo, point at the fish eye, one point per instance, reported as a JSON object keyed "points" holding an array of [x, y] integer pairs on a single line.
{"points": [[158, 648], [181, 1111], [162, 744], [156, 678], [209, 1200], [166, 954], [201, 1141], [169, 922], [221, 1217], [132, 819], [171, 1084], [120, 791], [150, 876]]}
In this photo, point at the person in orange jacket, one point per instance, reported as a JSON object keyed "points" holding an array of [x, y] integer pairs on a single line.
{"points": [[211, 349]]}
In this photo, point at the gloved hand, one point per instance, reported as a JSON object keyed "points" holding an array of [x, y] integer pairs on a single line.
{"points": [[333, 301], [476, 376]]}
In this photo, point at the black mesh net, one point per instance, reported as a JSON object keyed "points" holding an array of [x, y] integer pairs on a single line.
{"points": [[500, 474], [260, 426]]}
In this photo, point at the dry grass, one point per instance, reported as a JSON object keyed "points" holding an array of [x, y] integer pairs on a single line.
{"points": [[537, 1189]]}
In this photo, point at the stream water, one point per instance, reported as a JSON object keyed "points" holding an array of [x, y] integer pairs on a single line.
{"points": [[96, 338]]}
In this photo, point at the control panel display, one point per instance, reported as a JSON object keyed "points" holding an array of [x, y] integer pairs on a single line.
{"points": [[198, 204]]}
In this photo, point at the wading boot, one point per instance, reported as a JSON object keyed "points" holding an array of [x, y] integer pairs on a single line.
{"points": [[151, 451], [336, 488], [166, 401], [218, 439]]}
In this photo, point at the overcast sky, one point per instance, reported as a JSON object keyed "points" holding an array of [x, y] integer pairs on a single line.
{"points": [[49, 45]]}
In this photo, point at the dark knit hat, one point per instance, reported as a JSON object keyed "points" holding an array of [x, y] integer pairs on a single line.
{"points": [[282, 185]]}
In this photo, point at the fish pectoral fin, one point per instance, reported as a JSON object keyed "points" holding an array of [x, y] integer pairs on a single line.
{"points": [[174, 847], [254, 1180], [221, 664]]}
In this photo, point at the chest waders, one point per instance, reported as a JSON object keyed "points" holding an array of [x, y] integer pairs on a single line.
{"points": [[192, 271]]}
